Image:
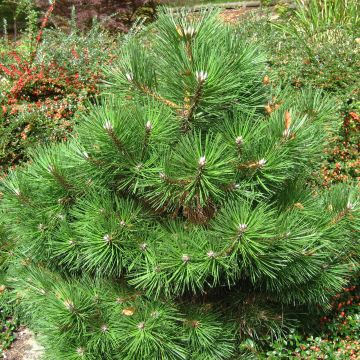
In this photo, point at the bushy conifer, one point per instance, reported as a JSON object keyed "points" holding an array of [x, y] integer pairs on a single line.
{"points": [[180, 220]]}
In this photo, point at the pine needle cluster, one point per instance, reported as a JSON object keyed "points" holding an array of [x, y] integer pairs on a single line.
{"points": [[180, 220]]}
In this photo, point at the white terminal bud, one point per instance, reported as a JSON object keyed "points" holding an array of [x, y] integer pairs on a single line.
{"points": [[154, 314], [129, 77], [141, 325], [41, 227], [202, 161], [148, 126], [61, 216], [107, 125], [107, 238], [242, 228], [189, 31], [210, 254], [17, 192], [350, 206], [143, 246], [71, 242], [51, 168], [85, 154], [185, 258], [239, 140], [201, 76], [122, 223], [69, 305], [261, 162], [162, 176], [286, 133], [104, 328], [80, 351]]}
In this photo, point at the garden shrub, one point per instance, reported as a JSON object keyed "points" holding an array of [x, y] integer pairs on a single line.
{"points": [[43, 90], [337, 338], [320, 49], [178, 222], [112, 14]]}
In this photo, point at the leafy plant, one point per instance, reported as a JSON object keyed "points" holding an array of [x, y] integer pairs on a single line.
{"points": [[8, 319], [338, 338], [331, 65], [42, 89]]}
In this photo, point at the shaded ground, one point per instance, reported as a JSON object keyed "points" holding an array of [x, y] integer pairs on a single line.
{"points": [[25, 347]]}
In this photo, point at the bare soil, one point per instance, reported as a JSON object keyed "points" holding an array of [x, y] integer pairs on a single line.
{"points": [[25, 347]]}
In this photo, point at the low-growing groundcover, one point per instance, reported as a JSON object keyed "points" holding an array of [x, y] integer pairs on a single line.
{"points": [[178, 222]]}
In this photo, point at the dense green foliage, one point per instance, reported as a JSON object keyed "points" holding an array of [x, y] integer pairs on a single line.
{"points": [[319, 47], [178, 222]]}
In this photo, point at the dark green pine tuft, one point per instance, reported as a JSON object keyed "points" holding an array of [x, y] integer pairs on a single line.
{"points": [[180, 222]]}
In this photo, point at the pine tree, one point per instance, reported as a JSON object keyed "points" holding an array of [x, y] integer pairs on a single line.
{"points": [[180, 221]]}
